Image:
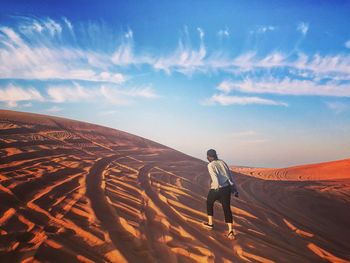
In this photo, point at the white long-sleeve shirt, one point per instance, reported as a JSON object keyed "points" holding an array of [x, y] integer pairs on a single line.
{"points": [[219, 173]]}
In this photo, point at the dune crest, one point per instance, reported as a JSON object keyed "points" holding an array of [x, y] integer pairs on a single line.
{"points": [[78, 192], [333, 170]]}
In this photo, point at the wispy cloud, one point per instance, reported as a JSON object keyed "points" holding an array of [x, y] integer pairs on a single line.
{"points": [[126, 96], [46, 56], [224, 32], [12, 94], [303, 28], [124, 54], [201, 33], [347, 44], [226, 100], [187, 60], [51, 55], [32, 26], [68, 24], [285, 86], [44, 49], [184, 59], [73, 93], [263, 29], [337, 107], [129, 34], [317, 65], [113, 95]]}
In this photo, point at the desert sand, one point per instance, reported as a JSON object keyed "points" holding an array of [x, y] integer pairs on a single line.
{"points": [[78, 192], [333, 170]]}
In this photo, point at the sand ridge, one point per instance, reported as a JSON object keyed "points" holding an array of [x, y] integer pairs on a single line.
{"points": [[79, 192], [333, 170]]}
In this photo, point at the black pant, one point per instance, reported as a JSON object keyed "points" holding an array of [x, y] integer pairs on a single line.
{"points": [[224, 196]]}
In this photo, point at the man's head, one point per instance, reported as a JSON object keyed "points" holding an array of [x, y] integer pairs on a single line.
{"points": [[211, 155]]}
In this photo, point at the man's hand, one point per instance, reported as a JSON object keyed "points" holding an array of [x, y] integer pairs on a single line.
{"points": [[234, 190]]}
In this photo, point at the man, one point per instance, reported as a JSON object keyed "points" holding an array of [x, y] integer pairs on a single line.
{"points": [[221, 186]]}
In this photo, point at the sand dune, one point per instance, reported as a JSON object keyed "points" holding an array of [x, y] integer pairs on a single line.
{"points": [[321, 171], [78, 192]]}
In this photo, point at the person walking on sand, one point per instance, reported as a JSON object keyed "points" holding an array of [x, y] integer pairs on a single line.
{"points": [[221, 187]]}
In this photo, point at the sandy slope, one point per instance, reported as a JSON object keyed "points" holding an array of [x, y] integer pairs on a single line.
{"points": [[321, 171], [78, 192]]}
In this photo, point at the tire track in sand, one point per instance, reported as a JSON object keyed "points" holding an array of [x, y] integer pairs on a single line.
{"points": [[212, 244], [125, 243]]}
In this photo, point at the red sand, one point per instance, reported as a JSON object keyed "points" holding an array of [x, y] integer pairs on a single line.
{"points": [[78, 192], [321, 171]]}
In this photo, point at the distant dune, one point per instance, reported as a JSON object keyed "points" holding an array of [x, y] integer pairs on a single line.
{"points": [[78, 192], [320, 171]]}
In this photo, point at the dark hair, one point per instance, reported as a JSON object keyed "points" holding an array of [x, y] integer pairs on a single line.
{"points": [[212, 153]]}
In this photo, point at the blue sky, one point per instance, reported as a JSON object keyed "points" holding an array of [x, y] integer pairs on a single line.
{"points": [[266, 83]]}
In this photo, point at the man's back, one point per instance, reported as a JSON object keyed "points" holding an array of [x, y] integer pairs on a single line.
{"points": [[219, 173]]}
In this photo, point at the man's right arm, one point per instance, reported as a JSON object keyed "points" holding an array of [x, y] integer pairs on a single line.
{"points": [[233, 185]]}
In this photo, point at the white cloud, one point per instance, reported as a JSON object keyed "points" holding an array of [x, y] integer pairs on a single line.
{"points": [[53, 27], [328, 66], [310, 71], [331, 66], [303, 28], [35, 26], [226, 86], [111, 77], [145, 92], [30, 26], [124, 54], [249, 61], [12, 94], [129, 34], [74, 93], [347, 44], [264, 29], [124, 96], [184, 59], [225, 100], [201, 32], [285, 86], [114, 95], [44, 59], [224, 32], [338, 107], [68, 24]]}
